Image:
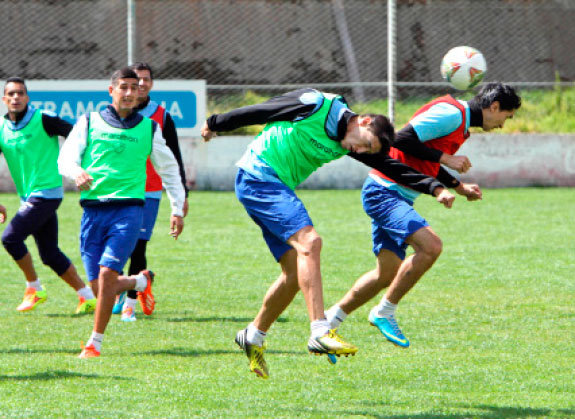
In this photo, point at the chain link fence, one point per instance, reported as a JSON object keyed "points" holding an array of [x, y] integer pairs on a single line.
{"points": [[275, 45]]}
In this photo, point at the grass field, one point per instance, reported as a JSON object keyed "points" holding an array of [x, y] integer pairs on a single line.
{"points": [[491, 325]]}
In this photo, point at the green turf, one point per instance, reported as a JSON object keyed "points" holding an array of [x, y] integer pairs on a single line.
{"points": [[491, 325]]}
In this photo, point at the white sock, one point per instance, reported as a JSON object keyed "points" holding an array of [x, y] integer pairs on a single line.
{"points": [[96, 339], [130, 303], [86, 292], [386, 308], [335, 315], [255, 336], [319, 327], [35, 284], [141, 282]]}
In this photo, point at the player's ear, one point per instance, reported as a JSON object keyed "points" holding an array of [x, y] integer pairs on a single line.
{"points": [[364, 120], [495, 106]]}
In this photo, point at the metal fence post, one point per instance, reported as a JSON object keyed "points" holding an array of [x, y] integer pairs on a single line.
{"points": [[391, 57], [131, 29]]}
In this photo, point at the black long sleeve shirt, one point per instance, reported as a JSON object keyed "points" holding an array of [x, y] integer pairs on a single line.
{"points": [[292, 106]]}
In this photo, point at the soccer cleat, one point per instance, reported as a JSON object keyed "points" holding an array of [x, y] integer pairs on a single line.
{"points": [[128, 314], [146, 297], [388, 327], [330, 344], [120, 299], [86, 306], [32, 298], [89, 352], [255, 355]]}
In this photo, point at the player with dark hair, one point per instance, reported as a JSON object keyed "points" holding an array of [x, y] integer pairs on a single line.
{"points": [[126, 301], [431, 138], [304, 130], [29, 141], [106, 154]]}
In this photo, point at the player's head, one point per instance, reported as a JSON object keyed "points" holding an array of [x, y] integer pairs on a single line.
{"points": [[498, 102], [15, 94], [369, 133], [124, 90], [146, 79]]}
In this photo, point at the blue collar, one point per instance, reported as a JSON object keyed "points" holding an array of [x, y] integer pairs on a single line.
{"points": [[110, 115], [19, 125]]}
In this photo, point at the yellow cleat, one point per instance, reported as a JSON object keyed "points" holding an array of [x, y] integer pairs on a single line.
{"points": [[86, 306], [331, 344], [255, 355]]}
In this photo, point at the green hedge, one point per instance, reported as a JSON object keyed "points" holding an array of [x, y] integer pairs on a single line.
{"points": [[542, 111]]}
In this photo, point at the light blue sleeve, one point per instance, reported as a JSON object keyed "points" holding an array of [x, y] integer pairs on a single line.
{"points": [[338, 108], [438, 121]]}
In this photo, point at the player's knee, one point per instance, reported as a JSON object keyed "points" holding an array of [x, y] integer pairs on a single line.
{"points": [[56, 260], [311, 244], [15, 247], [433, 248], [7, 239]]}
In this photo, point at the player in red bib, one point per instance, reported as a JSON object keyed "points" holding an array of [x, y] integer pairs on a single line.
{"points": [[431, 138]]}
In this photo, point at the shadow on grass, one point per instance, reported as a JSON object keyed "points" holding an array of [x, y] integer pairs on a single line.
{"points": [[218, 319], [487, 412], [58, 374], [199, 353], [524, 412], [40, 351]]}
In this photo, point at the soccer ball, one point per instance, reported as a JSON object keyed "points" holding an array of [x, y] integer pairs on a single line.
{"points": [[463, 67]]}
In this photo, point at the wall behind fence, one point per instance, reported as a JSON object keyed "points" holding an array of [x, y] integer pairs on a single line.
{"points": [[498, 160], [275, 42]]}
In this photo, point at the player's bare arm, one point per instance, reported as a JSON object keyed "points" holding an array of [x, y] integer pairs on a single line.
{"points": [[461, 164], [471, 191], [443, 196]]}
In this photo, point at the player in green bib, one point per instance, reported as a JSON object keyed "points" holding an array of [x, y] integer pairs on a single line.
{"points": [[106, 155], [304, 130], [29, 142]]}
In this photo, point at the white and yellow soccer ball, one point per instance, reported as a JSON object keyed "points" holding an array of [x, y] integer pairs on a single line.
{"points": [[463, 67]]}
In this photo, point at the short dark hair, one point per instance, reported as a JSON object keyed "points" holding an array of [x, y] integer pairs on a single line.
{"points": [[496, 91], [142, 65], [123, 73], [15, 79], [383, 129]]}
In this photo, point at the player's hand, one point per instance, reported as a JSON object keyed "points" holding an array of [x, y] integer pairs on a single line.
{"points": [[444, 197], [176, 226], [207, 134], [460, 164], [471, 191], [84, 181], [2, 214]]}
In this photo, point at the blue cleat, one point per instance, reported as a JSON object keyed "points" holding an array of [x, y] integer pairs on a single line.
{"points": [[389, 328], [128, 314], [120, 299], [332, 359]]}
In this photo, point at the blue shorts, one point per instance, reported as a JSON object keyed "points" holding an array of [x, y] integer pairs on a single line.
{"points": [[393, 218], [150, 215], [274, 207], [108, 235]]}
